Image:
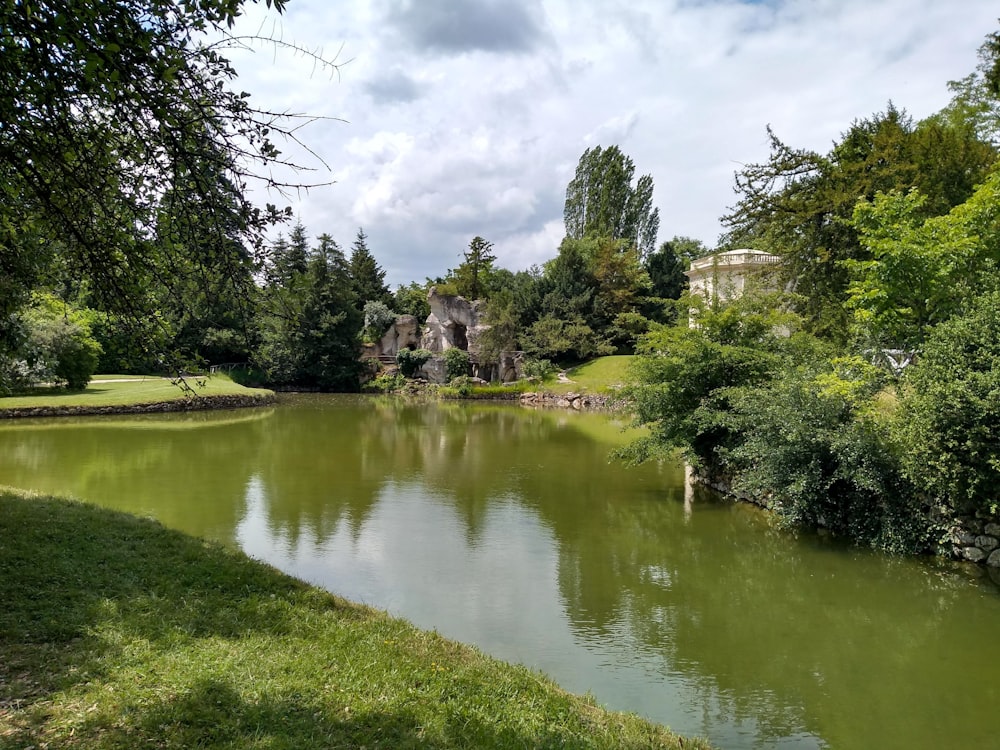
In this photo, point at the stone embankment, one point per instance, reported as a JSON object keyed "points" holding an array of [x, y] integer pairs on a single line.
{"points": [[974, 540], [196, 403], [571, 400]]}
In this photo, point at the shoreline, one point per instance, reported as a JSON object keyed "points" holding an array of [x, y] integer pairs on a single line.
{"points": [[133, 634], [190, 403]]}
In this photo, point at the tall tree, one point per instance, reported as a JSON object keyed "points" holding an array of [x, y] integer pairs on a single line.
{"points": [[367, 277], [602, 201], [471, 278], [330, 322]]}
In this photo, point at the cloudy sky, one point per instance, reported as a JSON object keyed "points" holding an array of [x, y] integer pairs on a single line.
{"points": [[457, 118]]}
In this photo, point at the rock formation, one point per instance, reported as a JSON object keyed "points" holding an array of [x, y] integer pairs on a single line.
{"points": [[454, 322]]}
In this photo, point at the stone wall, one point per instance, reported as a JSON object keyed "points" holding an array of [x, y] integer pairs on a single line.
{"points": [[974, 540], [570, 400]]}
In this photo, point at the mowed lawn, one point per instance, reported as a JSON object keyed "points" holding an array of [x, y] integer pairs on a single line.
{"points": [[128, 390], [117, 633], [601, 375]]}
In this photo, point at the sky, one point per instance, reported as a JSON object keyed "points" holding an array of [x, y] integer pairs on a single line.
{"points": [[448, 119]]}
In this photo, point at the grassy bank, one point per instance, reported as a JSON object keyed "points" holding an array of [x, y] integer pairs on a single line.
{"points": [[118, 633], [127, 391], [602, 375]]}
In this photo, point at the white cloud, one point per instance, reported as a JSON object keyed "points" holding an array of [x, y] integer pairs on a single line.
{"points": [[452, 133]]}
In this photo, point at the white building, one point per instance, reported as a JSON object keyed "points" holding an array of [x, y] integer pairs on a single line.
{"points": [[724, 276]]}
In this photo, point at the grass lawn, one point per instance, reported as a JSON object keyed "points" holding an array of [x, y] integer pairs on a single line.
{"points": [[600, 375], [118, 633], [126, 390]]}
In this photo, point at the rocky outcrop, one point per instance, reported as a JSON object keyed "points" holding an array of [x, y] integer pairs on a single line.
{"points": [[454, 322], [404, 333]]}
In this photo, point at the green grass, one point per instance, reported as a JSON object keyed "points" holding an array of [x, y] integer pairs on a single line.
{"points": [[601, 375], [130, 390], [118, 633]]}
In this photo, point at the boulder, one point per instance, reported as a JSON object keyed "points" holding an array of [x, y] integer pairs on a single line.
{"points": [[973, 554], [987, 543], [404, 333]]}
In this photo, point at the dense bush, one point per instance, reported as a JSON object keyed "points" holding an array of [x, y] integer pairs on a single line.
{"points": [[538, 368], [949, 415], [813, 449], [411, 360], [456, 363], [59, 346], [385, 383]]}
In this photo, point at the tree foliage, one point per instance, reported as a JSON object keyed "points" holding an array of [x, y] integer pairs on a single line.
{"points": [[109, 109], [950, 411], [473, 279], [367, 276], [59, 346], [921, 272], [602, 201], [799, 204]]}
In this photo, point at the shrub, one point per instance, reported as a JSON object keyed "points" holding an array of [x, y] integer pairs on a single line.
{"points": [[538, 368], [949, 415], [385, 383], [812, 448], [378, 318], [411, 360], [456, 363]]}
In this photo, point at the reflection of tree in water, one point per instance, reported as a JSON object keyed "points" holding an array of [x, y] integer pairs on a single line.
{"points": [[773, 630], [330, 460], [190, 470]]}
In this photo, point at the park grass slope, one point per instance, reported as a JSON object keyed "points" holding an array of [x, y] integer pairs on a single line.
{"points": [[133, 394], [116, 632]]}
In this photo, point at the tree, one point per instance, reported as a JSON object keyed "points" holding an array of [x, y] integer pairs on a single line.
{"points": [[602, 201], [921, 272], [472, 278], [799, 204], [667, 281], [412, 300], [59, 346], [367, 277], [107, 107], [377, 319], [685, 376], [330, 323]]}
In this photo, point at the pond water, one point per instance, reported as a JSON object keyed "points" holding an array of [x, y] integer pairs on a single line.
{"points": [[510, 529]]}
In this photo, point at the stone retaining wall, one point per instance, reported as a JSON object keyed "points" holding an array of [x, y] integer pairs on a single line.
{"points": [[196, 403], [974, 540], [571, 400]]}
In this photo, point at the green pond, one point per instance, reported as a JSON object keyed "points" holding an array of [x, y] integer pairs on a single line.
{"points": [[512, 530]]}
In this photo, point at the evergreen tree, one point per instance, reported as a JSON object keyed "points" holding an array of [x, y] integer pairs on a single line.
{"points": [[472, 278], [330, 322], [367, 277]]}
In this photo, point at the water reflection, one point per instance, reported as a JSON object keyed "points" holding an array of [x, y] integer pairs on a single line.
{"points": [[511, 530]]}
